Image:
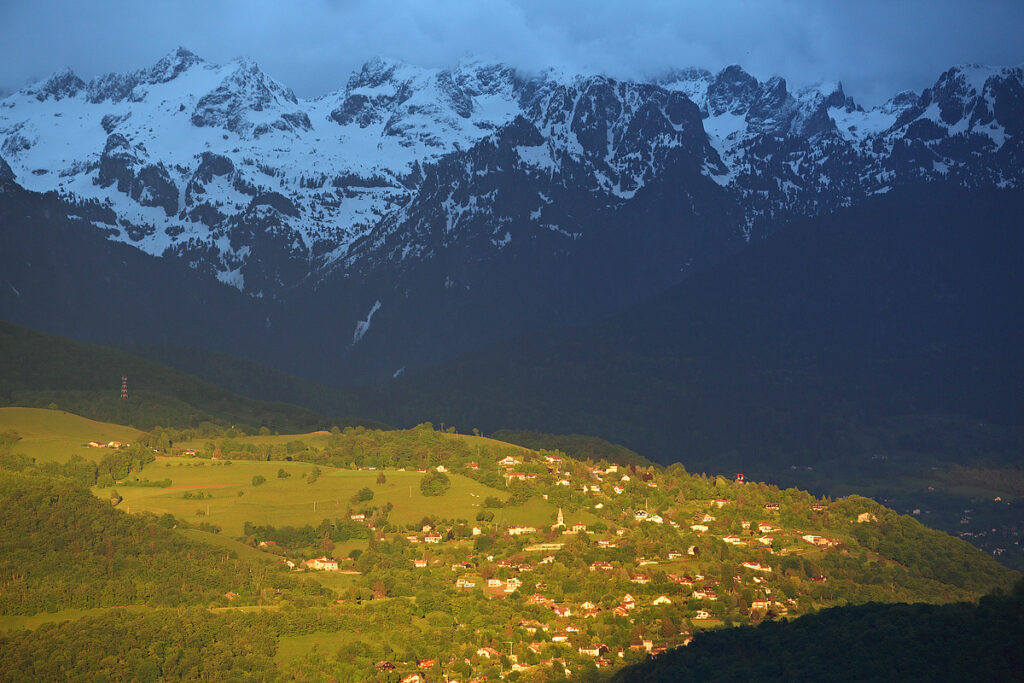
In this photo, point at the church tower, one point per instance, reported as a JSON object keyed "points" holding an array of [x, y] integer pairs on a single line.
{"points": [[560, 524]]}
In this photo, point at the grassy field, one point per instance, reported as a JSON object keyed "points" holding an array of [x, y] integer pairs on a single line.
{"points": [[242, 550], [291, 648], [15, 622], [55, 435], [295, 502], [336, 581], [232, 500]]}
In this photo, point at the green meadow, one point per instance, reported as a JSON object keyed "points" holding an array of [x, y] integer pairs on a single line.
{"points": [[293, 648], [232, 499], [227, 543], [56, 435], [17, 622]]}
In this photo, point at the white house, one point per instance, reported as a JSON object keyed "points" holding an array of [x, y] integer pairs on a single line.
{"points": [[323, 563]]}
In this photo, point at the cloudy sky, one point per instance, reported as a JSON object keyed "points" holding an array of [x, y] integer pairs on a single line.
{"points": [[876, 47]]}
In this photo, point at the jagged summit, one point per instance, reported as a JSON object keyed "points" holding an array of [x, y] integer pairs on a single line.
{"points": [[242, 96], [171, 65], [732, 91], [116, 87], [968, 95], [61, 84]]}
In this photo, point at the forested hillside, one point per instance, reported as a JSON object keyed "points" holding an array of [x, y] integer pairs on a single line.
{"points": [[579, 446], [37, 369], [64, 548]]}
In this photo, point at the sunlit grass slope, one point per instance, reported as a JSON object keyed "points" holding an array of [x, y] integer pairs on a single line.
{"points": [[295, 502], [56, 435]]}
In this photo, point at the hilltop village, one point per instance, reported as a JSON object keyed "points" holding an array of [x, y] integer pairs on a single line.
{"points": [[574, 564]]}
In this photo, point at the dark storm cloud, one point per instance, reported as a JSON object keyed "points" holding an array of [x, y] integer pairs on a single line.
{"points": [[875, 47]]}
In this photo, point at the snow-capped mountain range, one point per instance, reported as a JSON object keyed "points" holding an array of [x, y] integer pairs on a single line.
{"points": [[227, 169], [193, 157], [432, 210]]}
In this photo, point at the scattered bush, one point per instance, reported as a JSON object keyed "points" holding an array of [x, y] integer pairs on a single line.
{"points": [[434, 484]]}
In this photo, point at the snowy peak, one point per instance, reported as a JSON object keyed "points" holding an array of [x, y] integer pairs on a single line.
{"points": [[900, 102], [959, 92], [803, 114], [828, 94], [477, 78], [382, 86], [817, 106], [736, 105], [378, 71], [692, 82], [583, 147], [62, 84], [247, 100], [732, 91], [226, 94], [970, 96], [615, 132], [375, 92], [402, 98], [970, 107], [170, 66], [773, 108], [116, 87]]}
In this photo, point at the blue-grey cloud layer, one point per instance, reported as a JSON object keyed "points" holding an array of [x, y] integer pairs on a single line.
{"points": [[875, 47]]}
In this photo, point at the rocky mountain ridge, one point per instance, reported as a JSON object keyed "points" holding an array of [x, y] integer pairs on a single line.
{"points": [[226, 169]]}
